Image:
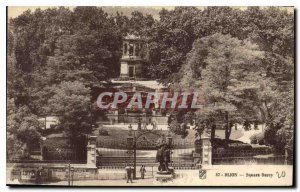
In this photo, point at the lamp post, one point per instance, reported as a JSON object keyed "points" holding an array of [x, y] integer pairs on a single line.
{"points": [[131, 146], [139, 123], [68, 156], [134, 156], [169, 142], [72, 177], [69, 173]]}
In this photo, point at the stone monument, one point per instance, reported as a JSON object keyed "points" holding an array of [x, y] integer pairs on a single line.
{"points": [[163, 157]]}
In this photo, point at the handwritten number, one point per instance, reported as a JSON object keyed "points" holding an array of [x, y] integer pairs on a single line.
{"points": [[280, 175]]}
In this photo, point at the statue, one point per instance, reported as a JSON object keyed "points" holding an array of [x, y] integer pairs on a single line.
{"points": [[154, 124], [163, 157]]}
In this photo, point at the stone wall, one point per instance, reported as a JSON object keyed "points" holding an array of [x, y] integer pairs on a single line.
{"points": [[52, 172]]}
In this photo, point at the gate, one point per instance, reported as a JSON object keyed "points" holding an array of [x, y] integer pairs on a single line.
{"points": [[140, 149]]}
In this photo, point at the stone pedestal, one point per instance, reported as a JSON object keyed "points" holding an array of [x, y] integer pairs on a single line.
{"points": [[124, 69], [164, 176]]}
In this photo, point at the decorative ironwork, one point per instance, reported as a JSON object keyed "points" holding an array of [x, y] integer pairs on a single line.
{"points": [[150, 139]]}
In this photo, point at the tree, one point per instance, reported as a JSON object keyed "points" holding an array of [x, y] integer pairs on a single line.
{"points": [[99, 40], [23, 131], [122, 23], [169, 41], [224, 70], [178, 122], [140, 24], [87, 40], [71, 103], [34, 35], [223, 19], [280, 123], [272, 29]]}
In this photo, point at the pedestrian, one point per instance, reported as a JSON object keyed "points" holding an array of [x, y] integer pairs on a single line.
{"points": [[143, 171], [128, 169], [38, 177]]}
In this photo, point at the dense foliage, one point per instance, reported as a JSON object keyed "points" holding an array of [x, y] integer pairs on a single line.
{"points": [[242, 60]]}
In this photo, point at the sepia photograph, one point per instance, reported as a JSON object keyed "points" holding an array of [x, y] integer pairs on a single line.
{"points": [[133, 96]]}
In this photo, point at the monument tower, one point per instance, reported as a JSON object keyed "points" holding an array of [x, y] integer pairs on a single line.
{"points": [[131, 61]]}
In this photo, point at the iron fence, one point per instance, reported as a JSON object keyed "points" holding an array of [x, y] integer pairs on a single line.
{"points": [[246, 160]]}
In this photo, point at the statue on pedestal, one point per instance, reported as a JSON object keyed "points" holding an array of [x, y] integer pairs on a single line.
{"points": [[163, 157]]}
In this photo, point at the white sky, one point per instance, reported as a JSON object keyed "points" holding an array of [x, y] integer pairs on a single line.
{"points": [[14, 11]]}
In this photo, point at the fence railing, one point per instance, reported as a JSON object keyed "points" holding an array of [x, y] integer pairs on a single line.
{"points": [[122, 145], [272, 160], [239, 153]]}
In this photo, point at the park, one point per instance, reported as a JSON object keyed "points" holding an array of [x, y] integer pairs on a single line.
{"points": [[156, 96]]}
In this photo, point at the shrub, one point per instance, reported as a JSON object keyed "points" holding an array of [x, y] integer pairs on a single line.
{"points": [[257, 139], [239, 146], [253, 139], [217, 142], [103, 132], [260, 138], [233, 150]]}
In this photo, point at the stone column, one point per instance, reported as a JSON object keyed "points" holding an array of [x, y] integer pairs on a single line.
{"points": [[91, 151], [206, 151], [197, 153]]}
